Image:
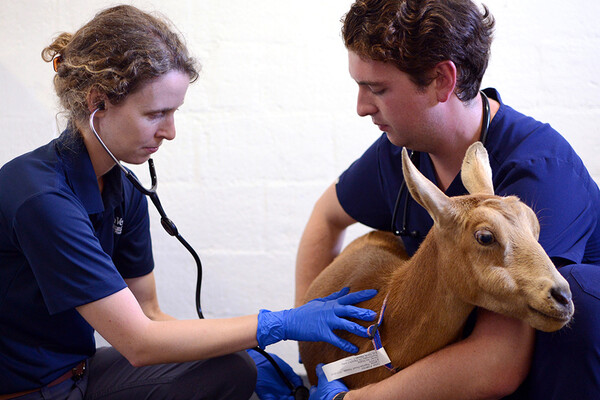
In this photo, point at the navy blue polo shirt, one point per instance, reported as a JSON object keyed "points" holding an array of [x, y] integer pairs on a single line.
{"points": [[528, 159], [62, 244]]}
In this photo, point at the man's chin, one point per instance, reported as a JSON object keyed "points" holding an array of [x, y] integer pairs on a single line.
{"points": [[394, 140]]}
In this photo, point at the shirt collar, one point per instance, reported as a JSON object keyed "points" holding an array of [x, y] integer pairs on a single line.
{"points": [[82, 178]]}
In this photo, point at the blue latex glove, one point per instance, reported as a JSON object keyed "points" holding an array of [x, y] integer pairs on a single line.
{"points": [[269, 385], [316, 320], [325, 390]]}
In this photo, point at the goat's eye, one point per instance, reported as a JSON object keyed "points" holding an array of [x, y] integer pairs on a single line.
{"points": [[484, 237]]}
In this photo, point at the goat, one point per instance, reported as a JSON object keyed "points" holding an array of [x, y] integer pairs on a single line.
{"points": [[482, 251]]}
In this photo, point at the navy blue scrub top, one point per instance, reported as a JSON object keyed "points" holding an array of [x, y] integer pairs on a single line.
{"points": [[62, 244], [528, 159]]}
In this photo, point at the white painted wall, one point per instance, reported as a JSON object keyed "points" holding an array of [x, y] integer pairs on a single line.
{"points": [[271, 122]]}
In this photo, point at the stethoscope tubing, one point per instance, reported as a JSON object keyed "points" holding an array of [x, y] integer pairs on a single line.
{"points": [[413, 154], [167, 224], [299, 392]]}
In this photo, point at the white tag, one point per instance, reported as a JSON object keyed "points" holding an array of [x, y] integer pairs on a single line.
{"points": [[355, 364]]}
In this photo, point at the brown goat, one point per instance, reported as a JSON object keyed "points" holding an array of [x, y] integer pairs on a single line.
{"points": [[481, 251]]}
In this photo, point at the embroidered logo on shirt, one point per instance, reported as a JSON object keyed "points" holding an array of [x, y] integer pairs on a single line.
{"points": [[118, 225]]}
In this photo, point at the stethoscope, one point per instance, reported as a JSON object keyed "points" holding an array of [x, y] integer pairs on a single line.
{"points": [[299, 392], [166, 223], [415, 234]]}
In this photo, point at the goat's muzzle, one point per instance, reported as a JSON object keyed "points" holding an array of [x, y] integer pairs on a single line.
{"points": [[554, 309]]}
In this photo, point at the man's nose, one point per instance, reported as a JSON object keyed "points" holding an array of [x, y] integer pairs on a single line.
{"points": [[364, 105]]}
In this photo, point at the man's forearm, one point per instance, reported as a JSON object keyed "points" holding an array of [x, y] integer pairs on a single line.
{"points": [[489, 364], [315, 252]]}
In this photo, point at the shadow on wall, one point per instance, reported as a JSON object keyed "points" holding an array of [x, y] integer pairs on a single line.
{"points": [[25, 122]]}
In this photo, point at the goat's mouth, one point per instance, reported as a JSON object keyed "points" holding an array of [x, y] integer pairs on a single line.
{"points": [[562, 317]]}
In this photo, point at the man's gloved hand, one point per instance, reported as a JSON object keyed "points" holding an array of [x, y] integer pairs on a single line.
{"points": [[316, 320], [269, 385], [326, 390]]}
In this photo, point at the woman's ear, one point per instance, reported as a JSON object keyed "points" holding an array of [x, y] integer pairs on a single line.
{"points": [[445, 81], [96, 100]]}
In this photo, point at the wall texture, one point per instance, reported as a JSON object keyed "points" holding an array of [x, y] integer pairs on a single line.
{"points": [[271, 122]]}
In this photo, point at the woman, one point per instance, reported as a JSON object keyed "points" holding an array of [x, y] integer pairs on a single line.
{"points": [[75, 250]]}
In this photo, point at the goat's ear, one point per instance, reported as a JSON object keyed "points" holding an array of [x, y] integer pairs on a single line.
{"points": [[423, 190], [476, 173]]}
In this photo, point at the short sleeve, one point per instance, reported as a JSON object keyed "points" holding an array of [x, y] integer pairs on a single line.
{"points": [[361, 189], [67, 260]]}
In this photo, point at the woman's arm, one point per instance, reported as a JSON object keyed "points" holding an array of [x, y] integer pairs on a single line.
{"points": [[144, 290], [119, 318]]}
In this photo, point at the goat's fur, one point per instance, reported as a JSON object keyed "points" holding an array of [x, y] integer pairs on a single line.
{"points": [[454, 270]]}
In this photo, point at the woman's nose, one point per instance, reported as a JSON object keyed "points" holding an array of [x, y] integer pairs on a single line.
{"points": [[167, 128]]}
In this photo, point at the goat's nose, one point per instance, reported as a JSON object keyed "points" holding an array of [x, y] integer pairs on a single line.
{"points": [[561, 295]]}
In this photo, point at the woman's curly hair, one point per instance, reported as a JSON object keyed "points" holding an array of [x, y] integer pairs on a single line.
{"points": [[415, 35], [119, 49]]}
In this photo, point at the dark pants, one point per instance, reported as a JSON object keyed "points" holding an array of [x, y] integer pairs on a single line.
{"points": [[566, 363], [109, 376]]}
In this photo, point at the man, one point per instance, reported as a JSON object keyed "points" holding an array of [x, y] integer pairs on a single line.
{"points": [[418, 66]]}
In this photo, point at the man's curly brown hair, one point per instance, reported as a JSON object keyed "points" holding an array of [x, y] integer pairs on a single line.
{"points": [[416, 35]]}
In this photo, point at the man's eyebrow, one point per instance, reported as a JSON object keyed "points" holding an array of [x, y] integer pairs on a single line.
{"points": [[370, 83]]}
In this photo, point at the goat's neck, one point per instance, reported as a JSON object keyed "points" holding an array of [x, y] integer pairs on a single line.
{"points": [[422, 308]]}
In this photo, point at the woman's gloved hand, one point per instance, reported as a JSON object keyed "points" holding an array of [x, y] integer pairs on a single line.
{"points": [[316, 320], [269, 385], [326, 390]]}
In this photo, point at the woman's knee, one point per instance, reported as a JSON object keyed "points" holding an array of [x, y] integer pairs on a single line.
{"points": [[243, 371], [232, 376]]}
